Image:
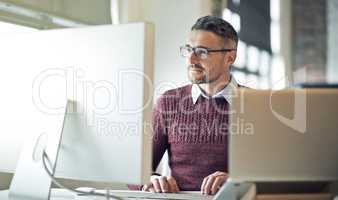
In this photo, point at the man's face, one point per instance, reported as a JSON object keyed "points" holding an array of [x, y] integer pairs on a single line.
{"points": [[216, 67]]}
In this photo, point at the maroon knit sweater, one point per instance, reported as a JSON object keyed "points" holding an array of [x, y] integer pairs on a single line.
{"points": [[195, 136]]}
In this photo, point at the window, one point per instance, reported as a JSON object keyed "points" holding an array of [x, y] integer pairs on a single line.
{"points": [[258, 63]]}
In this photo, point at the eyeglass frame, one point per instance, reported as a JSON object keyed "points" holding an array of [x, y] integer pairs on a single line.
{"points": [[206, 50]]}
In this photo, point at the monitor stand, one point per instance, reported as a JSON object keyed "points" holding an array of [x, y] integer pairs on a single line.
{"points": [[30, 180], [232, 190]]}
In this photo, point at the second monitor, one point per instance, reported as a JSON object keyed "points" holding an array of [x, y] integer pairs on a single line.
{"points": [[288, 135]]}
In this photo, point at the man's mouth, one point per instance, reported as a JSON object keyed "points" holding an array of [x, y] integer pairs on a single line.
{"points": [[196, 68]]}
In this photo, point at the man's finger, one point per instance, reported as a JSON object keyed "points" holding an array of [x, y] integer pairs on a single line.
{"points": [[219, 173], [203, 184], [156, 184], [207, 187], [146, 187], [164, 184], [173, 187], [219, 180], [151, 189]]}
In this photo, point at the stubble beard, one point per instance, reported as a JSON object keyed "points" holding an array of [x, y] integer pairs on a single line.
{"points": [[200, 80], [197, 81]]}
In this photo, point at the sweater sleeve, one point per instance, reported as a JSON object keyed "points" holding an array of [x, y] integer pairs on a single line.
{"points": [[160, 137]]}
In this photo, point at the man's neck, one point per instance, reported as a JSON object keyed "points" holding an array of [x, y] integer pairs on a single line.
{"points": [[213, 88]]}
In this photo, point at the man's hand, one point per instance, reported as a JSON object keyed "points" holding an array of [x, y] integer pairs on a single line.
{"points": [[212, 183], [165, 184]]}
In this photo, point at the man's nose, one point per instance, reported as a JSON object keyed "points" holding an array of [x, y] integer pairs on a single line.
{"points": [[192, 58]]}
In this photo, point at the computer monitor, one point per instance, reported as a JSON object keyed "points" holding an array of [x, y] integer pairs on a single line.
{"points": [[286, 135], [107, 70]]}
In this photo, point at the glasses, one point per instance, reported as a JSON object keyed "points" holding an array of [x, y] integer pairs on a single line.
{"points": [[200, 52]]}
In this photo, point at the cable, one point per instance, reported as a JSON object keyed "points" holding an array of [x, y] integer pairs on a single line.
{"points": [[78, 192]]}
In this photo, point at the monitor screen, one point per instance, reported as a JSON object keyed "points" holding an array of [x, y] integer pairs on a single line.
{"points": [[107, 70]]}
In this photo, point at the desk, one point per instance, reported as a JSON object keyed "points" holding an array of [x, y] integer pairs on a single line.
{"points": [[61, 194]]}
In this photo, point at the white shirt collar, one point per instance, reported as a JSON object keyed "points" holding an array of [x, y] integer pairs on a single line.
{"points": [[226, 93]]}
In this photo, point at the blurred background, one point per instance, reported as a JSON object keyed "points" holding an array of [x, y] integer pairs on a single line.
{"points": [[282, 42]]}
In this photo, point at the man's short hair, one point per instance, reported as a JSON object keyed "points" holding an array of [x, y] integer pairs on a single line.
{"points": [[217, 26]]}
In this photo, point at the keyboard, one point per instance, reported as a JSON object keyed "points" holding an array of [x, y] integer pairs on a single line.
{"points": [[61, 194], [125, 194]]}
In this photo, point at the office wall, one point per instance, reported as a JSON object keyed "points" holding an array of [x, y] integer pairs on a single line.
{"points": [[173, 20], [173, 25]]}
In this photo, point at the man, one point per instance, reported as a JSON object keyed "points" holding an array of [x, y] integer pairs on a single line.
{"points": [[191, 122]]}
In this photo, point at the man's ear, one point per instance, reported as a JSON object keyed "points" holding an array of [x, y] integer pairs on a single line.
{"points": [[231, 57]]}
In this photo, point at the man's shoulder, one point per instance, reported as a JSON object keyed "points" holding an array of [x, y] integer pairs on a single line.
{"points": [[174, 96], [179, 91]]}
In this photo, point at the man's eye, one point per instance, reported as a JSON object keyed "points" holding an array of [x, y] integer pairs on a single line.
{"points": [[190, 50], [200, 51]]}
